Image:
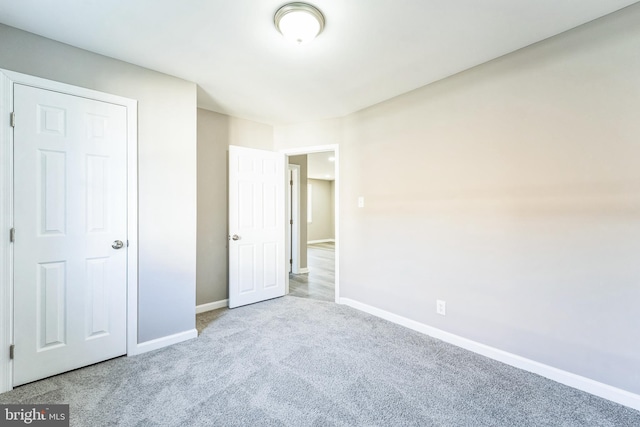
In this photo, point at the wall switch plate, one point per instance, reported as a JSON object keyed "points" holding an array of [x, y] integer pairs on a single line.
{"points": [[361, 202], [441, 307]]}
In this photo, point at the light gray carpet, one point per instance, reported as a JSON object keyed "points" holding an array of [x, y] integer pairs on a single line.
{"points": [[300, 362]]}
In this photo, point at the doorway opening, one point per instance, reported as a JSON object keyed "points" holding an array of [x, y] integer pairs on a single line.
{"points": [[313, 240]]}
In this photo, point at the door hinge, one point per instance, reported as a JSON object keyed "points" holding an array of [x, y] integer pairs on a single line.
{"points": [[12, 119], [291, 221], [291, 261], [290, 182], [12, 235], [127, 243], [11, 351]]}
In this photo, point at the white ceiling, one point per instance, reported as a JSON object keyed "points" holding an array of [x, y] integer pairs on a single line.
{"points": [[320, 167], [370, 50]]}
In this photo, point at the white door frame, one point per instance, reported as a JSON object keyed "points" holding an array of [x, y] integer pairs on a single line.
{"points": [[321, 149], [7, 80], [294, 239]]}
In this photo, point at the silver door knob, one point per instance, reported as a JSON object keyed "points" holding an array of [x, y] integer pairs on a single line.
{"points": [[235, 237], [117, 244]]}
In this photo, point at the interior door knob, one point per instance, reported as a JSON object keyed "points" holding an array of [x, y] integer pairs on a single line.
{"points": [[117, 244], [235, 237]]}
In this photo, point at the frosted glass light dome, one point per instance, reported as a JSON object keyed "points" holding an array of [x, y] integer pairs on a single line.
{"points": [[299, 22]]}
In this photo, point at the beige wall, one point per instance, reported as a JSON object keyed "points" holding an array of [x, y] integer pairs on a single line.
{"points": [[517, 188], [247, 133], [166, 168], [512, 191], [321, 227], [312, 134], [212, 260], [215, 133]]}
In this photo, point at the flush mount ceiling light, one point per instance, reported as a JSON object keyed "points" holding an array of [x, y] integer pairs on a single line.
{"points": [[299, 22]]}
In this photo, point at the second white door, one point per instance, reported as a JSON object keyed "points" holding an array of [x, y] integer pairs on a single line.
{"points": [[257, 264]]}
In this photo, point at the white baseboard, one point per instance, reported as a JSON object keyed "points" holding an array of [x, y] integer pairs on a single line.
{"points": [[203, 308], [605, 391], [311, 242], [303, 271], [163, 342]]}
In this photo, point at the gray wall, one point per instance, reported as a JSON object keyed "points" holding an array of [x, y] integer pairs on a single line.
{"points": [[302, 162], [215, 133], [167, 168], [516, 185], [321, 227]]}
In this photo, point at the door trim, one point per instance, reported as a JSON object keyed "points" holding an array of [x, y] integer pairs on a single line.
{"points": [[320, 149], [7, 80], [295, 230]]}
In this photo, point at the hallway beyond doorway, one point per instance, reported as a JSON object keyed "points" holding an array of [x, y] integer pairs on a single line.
{"points": [[319, 283]]}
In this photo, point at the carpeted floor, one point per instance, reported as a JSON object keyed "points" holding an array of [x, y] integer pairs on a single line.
{"points": [[300, 362]]}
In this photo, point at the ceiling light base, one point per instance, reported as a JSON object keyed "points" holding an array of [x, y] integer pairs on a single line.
{"points": [[299, 22]]}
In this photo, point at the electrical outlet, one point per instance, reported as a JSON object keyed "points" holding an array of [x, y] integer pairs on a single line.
{"points": [[441, 307], [361, 202]]}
